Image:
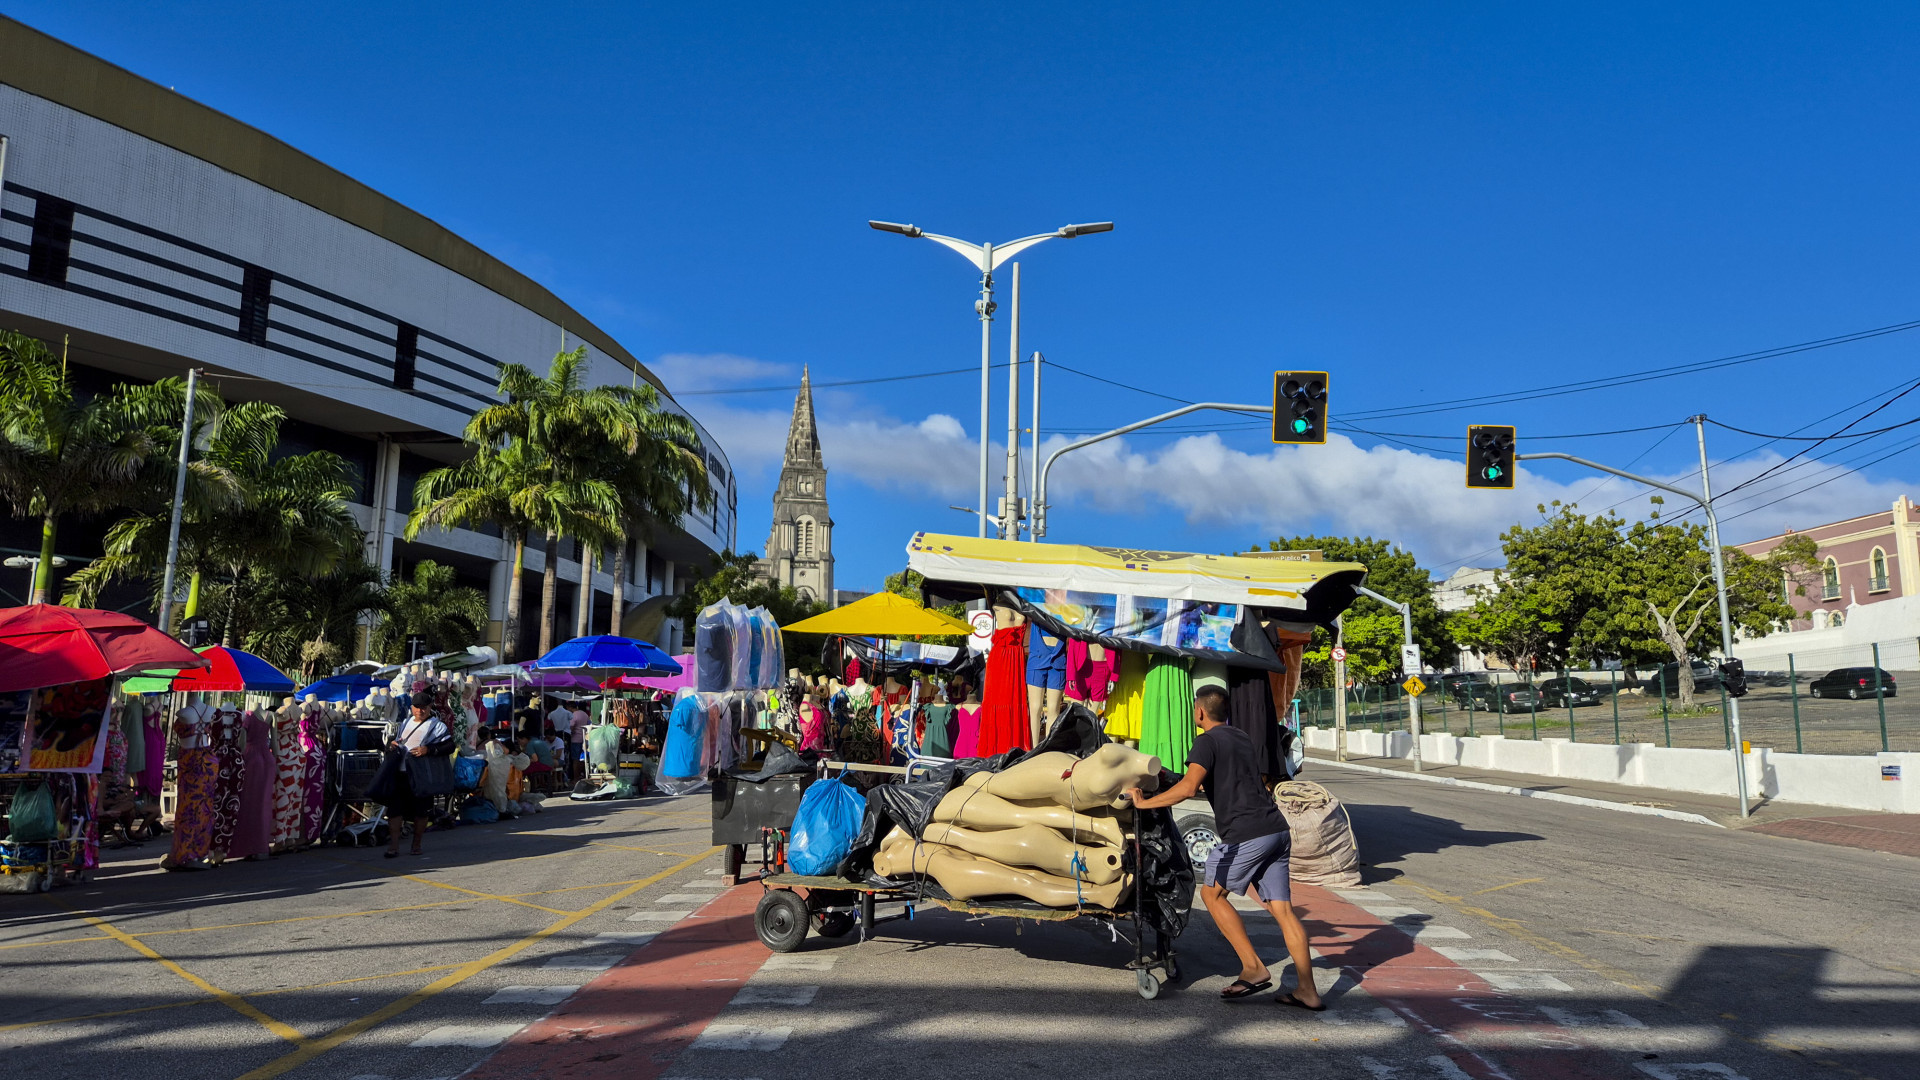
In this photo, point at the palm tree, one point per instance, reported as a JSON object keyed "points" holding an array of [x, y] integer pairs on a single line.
{"points": [[658, 466], [60, 455], [529, 474], [447, 615], [309, 621]]}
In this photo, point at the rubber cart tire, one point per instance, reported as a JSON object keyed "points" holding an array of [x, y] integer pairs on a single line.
{"points": [[781, 920], [1149, 986]]}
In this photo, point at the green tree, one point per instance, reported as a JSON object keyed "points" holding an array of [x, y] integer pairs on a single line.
{"points": [[1373, 633], [1517, 622], [907, 583], [657, 467], [309, 622], [1569, 570], [61, 455], [434, 607]]}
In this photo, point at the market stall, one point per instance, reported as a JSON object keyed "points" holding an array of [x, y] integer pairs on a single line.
{"points": [[71, 745], [605, 744]]}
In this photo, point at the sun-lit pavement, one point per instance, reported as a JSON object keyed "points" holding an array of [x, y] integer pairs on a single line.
{"points": [[1496, 937]]}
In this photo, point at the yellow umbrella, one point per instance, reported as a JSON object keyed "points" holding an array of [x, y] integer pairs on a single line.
{"points": [[883, 614]]}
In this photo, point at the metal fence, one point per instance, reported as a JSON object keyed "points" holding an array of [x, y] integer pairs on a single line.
{"points": [[1811, 709]]}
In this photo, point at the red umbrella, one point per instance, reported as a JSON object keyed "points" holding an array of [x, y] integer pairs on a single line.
{"points": [[48, 645]]}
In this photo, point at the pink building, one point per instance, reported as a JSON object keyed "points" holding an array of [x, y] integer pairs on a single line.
{"points": [[1863, 560]]}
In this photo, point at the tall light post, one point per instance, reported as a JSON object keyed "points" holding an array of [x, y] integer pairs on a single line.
{"points": [[987, 258]]}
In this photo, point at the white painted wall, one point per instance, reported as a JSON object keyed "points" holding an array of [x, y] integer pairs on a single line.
{"points": [[1853, 782]]}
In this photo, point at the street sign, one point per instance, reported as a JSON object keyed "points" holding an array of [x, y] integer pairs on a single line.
{"points": [[981, 640], [1339, 654], [1410, 659], [1414, 686]]}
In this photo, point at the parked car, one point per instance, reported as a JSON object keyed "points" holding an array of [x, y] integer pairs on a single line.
{"points": [[1560, 693], [1465, 686], [1851, 682], [1706, 680], [1515, 697]]}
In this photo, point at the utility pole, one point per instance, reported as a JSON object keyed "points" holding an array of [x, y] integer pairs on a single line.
{"points": [[1339, 688], [1705, 500], [179, 500], [1411, 650], [1010, 512]]}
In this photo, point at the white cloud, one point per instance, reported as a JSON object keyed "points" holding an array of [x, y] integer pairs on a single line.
{"points": [[683, 372]]}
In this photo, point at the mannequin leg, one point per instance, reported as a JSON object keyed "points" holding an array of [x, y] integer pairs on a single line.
{"points": [[1036, 702], [1053, 713]]}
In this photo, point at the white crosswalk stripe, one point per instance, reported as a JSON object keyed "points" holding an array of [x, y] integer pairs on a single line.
{"points": [[742, 1037], [1522, 980], [786, 962], [1469, 956], [585, 961], [758, 994], [531, 995], [477, 1035], [1420, 931], [683, 898], [659, 916], [625, 937]]}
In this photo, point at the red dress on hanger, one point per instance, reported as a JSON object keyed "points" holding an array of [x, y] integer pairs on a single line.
{"points": [[1003, 700]]}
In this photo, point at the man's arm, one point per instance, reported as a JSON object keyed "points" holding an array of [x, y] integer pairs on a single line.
{"points": [[1187, 788]]}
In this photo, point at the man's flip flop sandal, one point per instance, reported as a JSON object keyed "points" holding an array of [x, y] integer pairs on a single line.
{"points": [[1287, 998], [1242, 989]]}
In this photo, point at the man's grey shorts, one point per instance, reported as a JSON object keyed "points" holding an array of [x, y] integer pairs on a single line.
{"points": [[1262, 862]]}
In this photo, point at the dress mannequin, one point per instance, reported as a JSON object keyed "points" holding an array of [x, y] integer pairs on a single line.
{"points": [[1032, 845], [966, 877], [1091, 674], [978, 810], [253, 835], [1082, 783], [197, 773], [229, 755], [313, 762], [1004, 713], [289, 789], [1046, 680]]}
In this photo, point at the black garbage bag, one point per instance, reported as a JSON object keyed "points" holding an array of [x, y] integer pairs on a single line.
{"points": [[1164, 877], [780, 761]]}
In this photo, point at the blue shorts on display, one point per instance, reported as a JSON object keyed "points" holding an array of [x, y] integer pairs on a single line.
{"points": [[1046, 664]]}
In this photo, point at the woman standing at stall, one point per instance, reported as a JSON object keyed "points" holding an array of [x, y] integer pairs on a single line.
{"points": [[422, 736]]}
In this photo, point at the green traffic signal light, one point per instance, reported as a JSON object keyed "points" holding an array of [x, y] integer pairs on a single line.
{"points": [[1300, 407], [1300, 426], [1490, 456], [1491, 472]]}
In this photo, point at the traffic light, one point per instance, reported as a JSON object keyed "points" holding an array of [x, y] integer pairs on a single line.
{"points": [[1300, 406], [1733, 678], [1490, 456]]}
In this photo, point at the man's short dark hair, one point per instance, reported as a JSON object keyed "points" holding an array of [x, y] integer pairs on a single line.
{"points": [[1212, 701]]}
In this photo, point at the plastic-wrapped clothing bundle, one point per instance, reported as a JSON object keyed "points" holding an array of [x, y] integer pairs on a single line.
{"points": [[687, 756], [739, 625], [603, 747], [713, 649]]}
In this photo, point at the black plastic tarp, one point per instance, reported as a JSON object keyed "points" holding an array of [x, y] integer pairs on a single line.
{"points": [[1165, 877]]}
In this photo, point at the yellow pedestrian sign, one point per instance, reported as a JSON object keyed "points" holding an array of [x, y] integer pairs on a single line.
{"points": [[1414, 686]]}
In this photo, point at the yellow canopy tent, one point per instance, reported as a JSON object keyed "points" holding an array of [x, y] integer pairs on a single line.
{"points": [[883, 614]]}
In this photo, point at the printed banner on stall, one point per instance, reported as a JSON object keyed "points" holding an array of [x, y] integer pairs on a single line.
{"points": [[1153, 620], [66, 728]]}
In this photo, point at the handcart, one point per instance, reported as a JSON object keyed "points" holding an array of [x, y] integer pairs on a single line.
{"points": [[833, 907], [355, 757]]}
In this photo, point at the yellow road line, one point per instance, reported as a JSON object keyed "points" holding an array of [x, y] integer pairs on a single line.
{"points": [[55, 941], [229, 999], [240, 925], [444, 885], [214, 1001], [630, 847], [578, 888], [1508, 885], [313, 1048]]}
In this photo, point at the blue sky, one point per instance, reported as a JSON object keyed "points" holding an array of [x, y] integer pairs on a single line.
{"points": [[1430, 202]]}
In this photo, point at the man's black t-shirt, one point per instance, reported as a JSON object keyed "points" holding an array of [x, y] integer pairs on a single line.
{"points": [[1242, 810]]}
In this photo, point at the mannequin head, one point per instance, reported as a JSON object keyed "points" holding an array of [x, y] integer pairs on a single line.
{"points": [[311, 699], [287, 702]]}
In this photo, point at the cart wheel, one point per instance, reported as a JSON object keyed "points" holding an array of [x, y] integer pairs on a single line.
{"points": [[1149, 986], [1172, 969], [781, 920], [382, 833], [832, 923]]}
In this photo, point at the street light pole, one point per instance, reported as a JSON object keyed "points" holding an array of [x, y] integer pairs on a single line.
{"points": [[179, 499], [1413, 700], [1010, 514], [987, 258], [1705, 499]]}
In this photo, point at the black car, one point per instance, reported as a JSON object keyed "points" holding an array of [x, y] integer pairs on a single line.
{"points": [[1851, 682], [1560, 693], [1706, 680], [1515, 697], [1470, 687]]}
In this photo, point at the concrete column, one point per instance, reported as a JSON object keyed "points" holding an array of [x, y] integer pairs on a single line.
{"points": [[1906, 545], [497, 585], [666, 578]]}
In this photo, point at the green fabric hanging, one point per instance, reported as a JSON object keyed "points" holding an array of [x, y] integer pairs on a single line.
{"points": [[1166, 713]]}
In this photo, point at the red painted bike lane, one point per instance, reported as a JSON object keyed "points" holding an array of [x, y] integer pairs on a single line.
{"points": [[633, 1020]]}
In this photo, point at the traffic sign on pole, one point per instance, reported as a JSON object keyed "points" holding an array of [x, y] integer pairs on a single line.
{"points": [[1410, 659], [1339, 655], [1414, 686]]}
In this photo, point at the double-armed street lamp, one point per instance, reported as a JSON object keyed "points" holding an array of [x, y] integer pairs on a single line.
{"points": [[987, 258]]}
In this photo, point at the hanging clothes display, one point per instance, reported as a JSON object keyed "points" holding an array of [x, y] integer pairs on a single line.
{"points": [[1166, 714], [253, 831], [1250, 709], [228, 766], [937, 738], [195, 777], [313, 767], [813, 725], [966, 731], [154, 732], [1003, 711], [289, 788], [1090, 679], [1124, 703]]}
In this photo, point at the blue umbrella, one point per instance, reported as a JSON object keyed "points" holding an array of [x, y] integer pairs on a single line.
{"points": [[607, 655], [354, 686]]}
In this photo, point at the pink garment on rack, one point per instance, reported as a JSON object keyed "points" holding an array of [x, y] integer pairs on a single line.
{"points": [[1089, 679], [154, 729], [813, 727], [966, 734], [313, 759]]}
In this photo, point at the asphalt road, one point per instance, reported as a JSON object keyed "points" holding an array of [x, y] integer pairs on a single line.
{"points": [[1496, 937]]}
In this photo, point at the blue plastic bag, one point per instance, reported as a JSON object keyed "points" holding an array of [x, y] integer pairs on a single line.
{"points": [[467, 771], [825, 827]]}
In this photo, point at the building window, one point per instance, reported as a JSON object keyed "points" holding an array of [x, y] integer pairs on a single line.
{"points": [[803, 540], [1830, 580], [50, 250], [256, 296], [1879, 571], [406, 354]]}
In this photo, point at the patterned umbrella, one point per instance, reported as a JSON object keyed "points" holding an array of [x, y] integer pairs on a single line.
{"points": [[230, 669]]}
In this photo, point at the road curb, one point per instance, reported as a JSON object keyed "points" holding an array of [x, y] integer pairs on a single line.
{"points": [[1550, 796]]}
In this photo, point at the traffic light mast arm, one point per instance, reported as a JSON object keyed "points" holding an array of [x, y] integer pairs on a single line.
{"points": [[1040, 492], [1636, 477]]}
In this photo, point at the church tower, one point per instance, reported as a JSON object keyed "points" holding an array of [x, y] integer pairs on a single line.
{"points": [[800, 545]]}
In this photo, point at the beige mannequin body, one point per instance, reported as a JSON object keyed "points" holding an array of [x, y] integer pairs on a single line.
{"points": [[1097, 780], [978, 810], [966, 877], [1032, 846]]}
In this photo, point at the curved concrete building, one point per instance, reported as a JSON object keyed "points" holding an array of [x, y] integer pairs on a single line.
{"points": [[156, 234]]}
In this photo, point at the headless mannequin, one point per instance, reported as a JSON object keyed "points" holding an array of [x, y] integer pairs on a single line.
{"points": [[1034, 846], [1097, 653], [978, 810], [1083, 783], [1043, 702], [967, 877]]}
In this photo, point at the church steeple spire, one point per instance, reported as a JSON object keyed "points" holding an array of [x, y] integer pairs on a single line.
{"points": [[803, 436]]}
